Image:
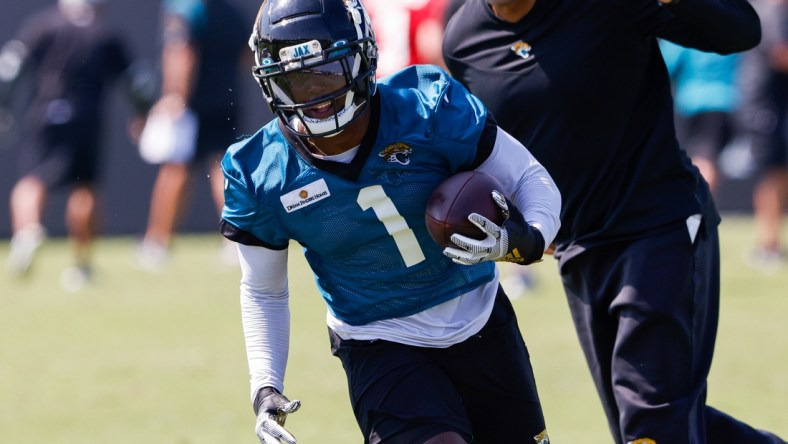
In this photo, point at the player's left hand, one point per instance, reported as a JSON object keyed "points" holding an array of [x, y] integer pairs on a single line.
{"points": [[493, 247], [273, 410]]}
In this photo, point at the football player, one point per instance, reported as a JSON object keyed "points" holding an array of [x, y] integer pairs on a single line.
{"points": [[427, 337]]}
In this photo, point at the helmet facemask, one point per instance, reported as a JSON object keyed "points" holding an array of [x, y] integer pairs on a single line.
{"points": [[317, 94], [319, 86]]}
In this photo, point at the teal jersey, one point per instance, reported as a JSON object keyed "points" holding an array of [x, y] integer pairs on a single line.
{"points": [[703, 81], [361, 224]]}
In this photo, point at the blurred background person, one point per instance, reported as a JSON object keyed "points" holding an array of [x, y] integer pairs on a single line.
{"points": [[408, 32], [69, 56], [203, 46], [706, 96], [764, 91]]}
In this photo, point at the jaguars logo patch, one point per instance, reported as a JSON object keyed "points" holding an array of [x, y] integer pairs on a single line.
{"points": [[522, 49], [397, 152], [642, 441], [542, 438]]}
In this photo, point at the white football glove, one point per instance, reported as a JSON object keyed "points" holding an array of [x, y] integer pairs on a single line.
{"points": [[274, 408], [493, 247]]}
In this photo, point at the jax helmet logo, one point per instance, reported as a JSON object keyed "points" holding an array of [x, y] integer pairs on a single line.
{"points": [[522, 49], [397, 153]]}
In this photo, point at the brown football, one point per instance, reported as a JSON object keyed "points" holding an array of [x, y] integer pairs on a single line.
{"points": [[453, 200]]}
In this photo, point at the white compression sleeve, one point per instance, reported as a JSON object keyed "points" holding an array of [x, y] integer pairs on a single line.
{"points": [[265, 314], [526, 183]]}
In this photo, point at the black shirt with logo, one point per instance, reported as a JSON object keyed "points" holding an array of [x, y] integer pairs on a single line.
{"points": [[582, 84]]}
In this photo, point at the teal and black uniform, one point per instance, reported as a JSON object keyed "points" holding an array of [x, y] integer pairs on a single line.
{"points": [[362, 229], [706, 93], [346, 171]]}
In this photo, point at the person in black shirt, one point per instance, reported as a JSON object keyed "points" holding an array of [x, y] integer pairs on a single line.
{"points": [[70, 56], [582, 84]]}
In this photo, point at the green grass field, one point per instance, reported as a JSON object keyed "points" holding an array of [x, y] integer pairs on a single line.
{"points": [[158, 358]]}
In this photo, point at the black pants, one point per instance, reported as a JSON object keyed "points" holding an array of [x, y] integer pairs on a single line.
{"points": [[482, 388], [646, 314]]}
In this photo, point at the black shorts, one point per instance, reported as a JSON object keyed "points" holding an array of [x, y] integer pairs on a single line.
{"points": [[704, 135], [768, 135], [482, 388], [770, 150], [61, 154]]}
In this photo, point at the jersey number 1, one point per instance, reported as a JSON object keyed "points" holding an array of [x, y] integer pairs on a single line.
{"points": [[375, 197]]}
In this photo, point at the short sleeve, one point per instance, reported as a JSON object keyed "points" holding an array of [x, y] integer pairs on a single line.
{"points": [[252, 222]]}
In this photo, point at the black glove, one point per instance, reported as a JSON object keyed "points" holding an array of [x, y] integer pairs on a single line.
{"points": [[272, 409]]}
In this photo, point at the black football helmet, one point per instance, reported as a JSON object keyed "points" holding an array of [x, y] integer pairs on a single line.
{"points": [[315, 61]]}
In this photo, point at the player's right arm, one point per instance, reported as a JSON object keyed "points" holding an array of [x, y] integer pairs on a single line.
{"points": [[265, 310], [265, 313]]}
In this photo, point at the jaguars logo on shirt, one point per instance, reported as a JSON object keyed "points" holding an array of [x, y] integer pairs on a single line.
{"points": [[522, 49], [397, 153]]}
